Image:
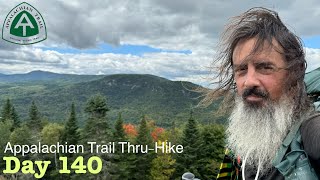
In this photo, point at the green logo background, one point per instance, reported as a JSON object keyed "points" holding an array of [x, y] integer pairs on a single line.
{"points": [[19, 31], [32, 24]]}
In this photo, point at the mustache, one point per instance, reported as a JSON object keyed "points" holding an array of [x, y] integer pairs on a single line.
{"points": [[255, 91]]}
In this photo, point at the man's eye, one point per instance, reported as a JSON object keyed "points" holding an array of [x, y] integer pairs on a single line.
{"points": [[241, 70], [265, 69]]}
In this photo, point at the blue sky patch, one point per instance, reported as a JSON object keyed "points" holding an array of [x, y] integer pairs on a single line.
{"points": [[137, 50], [312, 42]]}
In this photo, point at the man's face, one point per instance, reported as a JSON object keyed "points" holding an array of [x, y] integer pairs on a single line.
{"points": [[260, 76]]}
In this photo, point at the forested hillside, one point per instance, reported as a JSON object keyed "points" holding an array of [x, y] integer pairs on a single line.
{"points": [[133, 95], [143, 110]]}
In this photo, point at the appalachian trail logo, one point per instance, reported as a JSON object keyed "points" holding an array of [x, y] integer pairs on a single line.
{"points": [[24, 25]]}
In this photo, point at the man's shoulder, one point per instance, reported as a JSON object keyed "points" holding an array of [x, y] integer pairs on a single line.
{"points": [[310, 133]]}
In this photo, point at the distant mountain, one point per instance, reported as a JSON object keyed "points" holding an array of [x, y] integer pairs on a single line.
{"points": [[134, 95], [48, 77]]}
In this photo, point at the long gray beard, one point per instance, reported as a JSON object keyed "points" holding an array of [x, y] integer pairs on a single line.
{"points": [[259, 131]]}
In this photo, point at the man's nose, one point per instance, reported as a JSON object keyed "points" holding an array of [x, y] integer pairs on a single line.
{"points": [[251, 78]]}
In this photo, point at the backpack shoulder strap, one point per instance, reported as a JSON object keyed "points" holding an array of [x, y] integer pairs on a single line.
{"points": [[285, 144], [294, 165]]}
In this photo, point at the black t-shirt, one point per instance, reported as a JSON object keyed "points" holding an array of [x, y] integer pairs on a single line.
{"points": [[310, 134]]}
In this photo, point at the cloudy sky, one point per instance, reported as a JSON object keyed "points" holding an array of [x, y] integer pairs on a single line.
{"points": [[174, 39]]}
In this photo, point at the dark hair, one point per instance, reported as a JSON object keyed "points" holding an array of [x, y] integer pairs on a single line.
{"points": [[266, 26]]}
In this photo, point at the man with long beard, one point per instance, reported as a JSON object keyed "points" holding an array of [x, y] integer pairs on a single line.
{"points": [[273, 130]]}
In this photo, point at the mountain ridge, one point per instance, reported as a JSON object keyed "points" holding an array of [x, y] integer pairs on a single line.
{"points": [[134, 95]]}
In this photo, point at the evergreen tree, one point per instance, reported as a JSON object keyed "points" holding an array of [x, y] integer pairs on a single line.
{"points": [[121, 160], [119, 134], [144, 136], [6, 111], [97, 128], [211, 151], [125, 162], [34, 118], [15, 118], [97, 106], [5, 138], [144, 160], [9, 113], [71, 134], [187, 161]]}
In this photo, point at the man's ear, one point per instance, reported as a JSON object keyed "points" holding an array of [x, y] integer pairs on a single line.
{"points": [[303, 67]]}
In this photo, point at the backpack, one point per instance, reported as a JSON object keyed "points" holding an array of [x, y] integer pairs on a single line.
{"points": [[294, 164]]}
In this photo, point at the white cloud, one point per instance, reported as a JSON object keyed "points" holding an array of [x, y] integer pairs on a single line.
{"points": [[313, 58], [166, 24], [169, 65]]}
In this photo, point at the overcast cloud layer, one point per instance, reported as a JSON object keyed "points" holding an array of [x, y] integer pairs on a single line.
{"points": [[164, 24]]}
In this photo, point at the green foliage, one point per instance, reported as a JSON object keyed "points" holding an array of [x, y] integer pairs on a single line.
{"points": [[6, 111], [5, 136], [143, 160], [34, 122], [122, 160], [203, 150], [97, 106], [162, 100], [131, 94], [119, 134], [162, 167], [9, 113], [51, 133], [173, 134], [21, 135], [71, 133], [97, 130], [211, 151], [191, 142], [15, 118], [144, 133]]}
